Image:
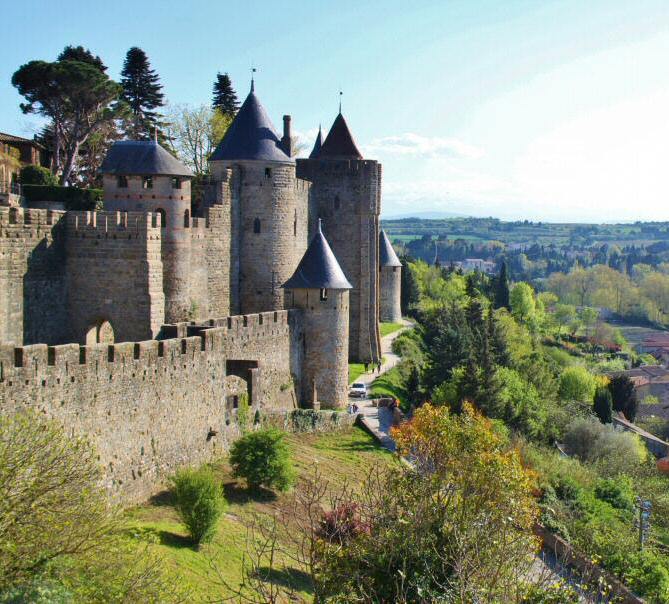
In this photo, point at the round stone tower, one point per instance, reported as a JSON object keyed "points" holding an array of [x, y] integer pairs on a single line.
{"points": [[141, 176], [269, 212], [320, 289], [390, 279]]}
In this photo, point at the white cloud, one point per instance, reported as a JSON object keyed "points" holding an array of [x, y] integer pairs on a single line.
{"points": [[416, 145]]}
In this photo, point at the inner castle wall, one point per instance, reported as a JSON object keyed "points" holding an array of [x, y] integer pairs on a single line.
{"points": [[151, 407]]}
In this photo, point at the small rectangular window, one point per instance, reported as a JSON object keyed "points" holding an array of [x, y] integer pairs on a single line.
{"points": [[176, 182], [122, 182], [147, 182], [268, 172], [324, 294]]}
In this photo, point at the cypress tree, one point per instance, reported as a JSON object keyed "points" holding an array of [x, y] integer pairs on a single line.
{"points": [[603, 405], [142, 91], [225, 97], [502, 289], [410, 293]]}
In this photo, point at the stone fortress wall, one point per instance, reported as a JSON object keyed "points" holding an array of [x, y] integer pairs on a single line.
{"points": [[153, 406], [390, 281], [32, 276], [346, 195]]}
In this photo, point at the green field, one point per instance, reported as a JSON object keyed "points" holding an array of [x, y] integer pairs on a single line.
{"points": [[341, 458]]}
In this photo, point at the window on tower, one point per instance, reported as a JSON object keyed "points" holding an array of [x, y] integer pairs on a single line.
{"points": [[176, 182], [337, 202], [268, 172], [256, 225], [147, 182], [323, 294], [122, 181]]}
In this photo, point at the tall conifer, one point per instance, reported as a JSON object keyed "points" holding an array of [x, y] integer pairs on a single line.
{"points": [[225, 98], [142, 91], [502, 289]]}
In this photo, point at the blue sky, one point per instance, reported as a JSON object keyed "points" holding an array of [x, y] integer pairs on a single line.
{"points": [[551, 110]]}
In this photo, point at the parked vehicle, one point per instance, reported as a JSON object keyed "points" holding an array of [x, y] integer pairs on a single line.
{"points": [[358, 390]]}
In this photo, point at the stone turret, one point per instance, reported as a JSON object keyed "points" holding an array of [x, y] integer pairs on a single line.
{"points": [[390, 271], [268, 207], [320, 289], [346, 194], [141, 176]]}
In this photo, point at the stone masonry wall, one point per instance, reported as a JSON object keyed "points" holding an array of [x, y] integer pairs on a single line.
{"points": [[151, 407], [325, 346], [114, 273], [269, 228], [346, 194], [390, 309], [32, 276]]}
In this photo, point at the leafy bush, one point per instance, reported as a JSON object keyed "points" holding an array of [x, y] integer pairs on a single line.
{"points": [[617, 492], [73, 197], [614, 452], [342, 524], [577, 384], [262, 458], [199, 501], [37, 175]]}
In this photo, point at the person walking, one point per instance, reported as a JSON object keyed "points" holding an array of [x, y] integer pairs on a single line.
{"points": [[366, 366]]}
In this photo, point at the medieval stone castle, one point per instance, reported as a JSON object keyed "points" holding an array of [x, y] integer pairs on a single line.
{"points": [[142, 325]]}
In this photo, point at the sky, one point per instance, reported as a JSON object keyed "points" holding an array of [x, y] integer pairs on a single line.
{"points": [[518, 109]]}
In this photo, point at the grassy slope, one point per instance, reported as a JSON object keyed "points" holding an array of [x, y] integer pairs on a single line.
{"points": [[388, 328], [340, 457], [389, 384], [355, 370]]}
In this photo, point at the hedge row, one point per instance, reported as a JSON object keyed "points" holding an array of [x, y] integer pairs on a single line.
{"points": [[307, 420], [73, 197]]}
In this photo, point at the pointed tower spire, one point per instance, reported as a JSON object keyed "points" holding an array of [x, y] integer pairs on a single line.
{"points": [[315, 152], [340, 95], [339, 143], [253, 86]]}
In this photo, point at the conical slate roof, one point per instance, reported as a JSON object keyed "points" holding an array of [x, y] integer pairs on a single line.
{"points": [[318, 268], [387, 255], [339, 143], [317, 145], [251, 136], [142, 157]]}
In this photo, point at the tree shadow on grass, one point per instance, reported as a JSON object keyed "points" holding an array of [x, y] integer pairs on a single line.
{"points": [[162, 499], [370, 447], [163, 537], [235, 493], [291, 578]]}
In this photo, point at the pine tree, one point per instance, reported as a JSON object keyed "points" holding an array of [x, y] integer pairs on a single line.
{"points": [[79, 53], [502, 289], [142, 91], [409, 293], [603, 405], [225, 97]]}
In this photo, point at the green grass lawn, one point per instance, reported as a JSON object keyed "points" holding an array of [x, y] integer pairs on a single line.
{"points": [[342, 457], [388, 328], [389, 384], [355, 370]]}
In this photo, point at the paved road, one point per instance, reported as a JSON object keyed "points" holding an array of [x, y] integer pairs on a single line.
{"points": [[380, 420]]}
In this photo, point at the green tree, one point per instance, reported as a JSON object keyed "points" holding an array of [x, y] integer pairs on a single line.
{"points": [[199, 501], [523, 305], [564, 315], [577, 384], [263, 459], [142, 92], [78, 98], [624, 396], [225, 97], [79, 53], [603, 405], [502, 299], [410, 292], [37, 175]]}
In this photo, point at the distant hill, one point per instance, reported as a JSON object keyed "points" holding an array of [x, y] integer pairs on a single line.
{"points": [[424, 215]]}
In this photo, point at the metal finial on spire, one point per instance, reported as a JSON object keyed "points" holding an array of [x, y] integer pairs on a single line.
{"points": [[253, 70], [320, 225], [340, 95]]}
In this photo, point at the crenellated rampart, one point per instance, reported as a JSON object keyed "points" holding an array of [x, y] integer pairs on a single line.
{"points": [[150, 407]]}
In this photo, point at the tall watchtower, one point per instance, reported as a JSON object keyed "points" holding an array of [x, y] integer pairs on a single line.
{"points": [[268, 207], [320, 289], [141, 176], [390, 273], [346, 195]]}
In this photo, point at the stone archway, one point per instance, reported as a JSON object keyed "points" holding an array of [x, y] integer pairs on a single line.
{"points": [[100, 332]]}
